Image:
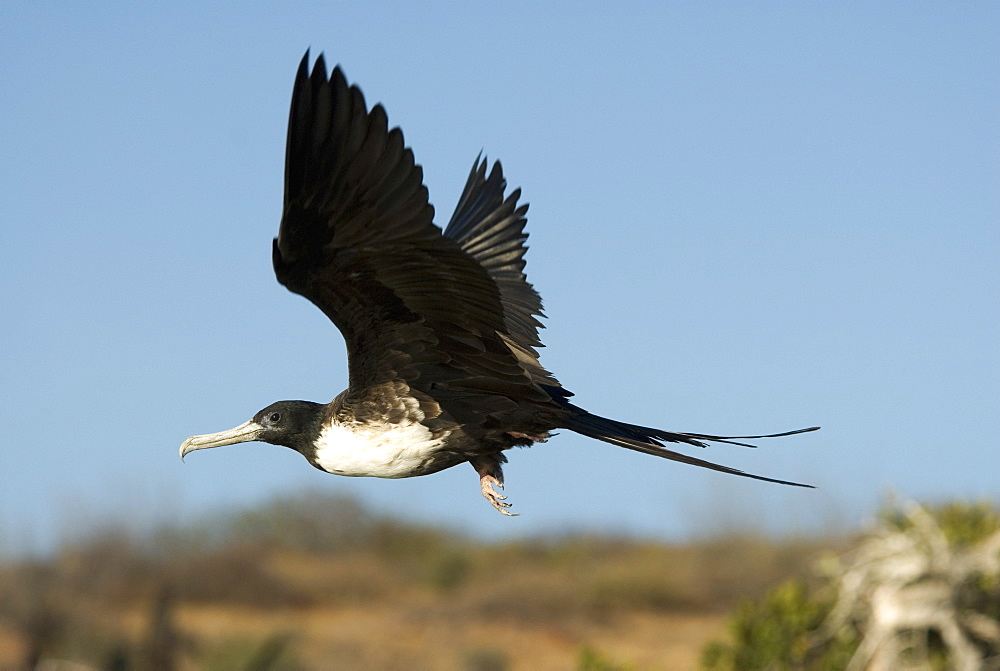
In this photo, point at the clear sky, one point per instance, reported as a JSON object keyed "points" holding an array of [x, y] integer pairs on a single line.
{"points": [[744, 218]]}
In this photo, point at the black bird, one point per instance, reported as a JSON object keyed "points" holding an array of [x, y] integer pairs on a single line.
{"points": [[441, 327]]}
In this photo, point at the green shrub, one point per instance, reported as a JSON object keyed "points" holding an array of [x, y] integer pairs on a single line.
{"points": [[779, 632], [591, 659], [916, 553], [962, 523]]}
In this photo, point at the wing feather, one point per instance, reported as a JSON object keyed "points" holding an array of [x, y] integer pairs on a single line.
{"points": [[357, 239], [490, 228]]}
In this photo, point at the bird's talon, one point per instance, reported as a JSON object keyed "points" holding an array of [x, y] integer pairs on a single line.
{"points": [[488, 483]]}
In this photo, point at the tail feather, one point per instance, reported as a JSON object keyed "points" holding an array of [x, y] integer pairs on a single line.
{"points": [[651, 441]]}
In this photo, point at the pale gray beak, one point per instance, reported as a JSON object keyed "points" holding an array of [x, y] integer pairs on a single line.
{"points": [[244, 433]]}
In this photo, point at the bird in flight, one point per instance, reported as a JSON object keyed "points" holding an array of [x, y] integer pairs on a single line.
{"points": [[441, 326]]}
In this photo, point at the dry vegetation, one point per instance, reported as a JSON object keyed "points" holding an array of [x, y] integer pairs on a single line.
{"points": [[919, 590], [318, 582]]}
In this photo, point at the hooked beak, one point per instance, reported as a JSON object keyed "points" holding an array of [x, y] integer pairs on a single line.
{"points": [[244, 433]]}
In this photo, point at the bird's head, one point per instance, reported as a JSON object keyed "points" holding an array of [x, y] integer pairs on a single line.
{"points": [[294, 424]]}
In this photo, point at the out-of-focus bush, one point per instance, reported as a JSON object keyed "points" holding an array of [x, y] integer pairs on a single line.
{"points": [[592, 659], [240, 652], [316, 563], [778, 632], [921, 590]]}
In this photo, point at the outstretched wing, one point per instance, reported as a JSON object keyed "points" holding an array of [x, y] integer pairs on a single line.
{"points": [[490, 228], [357, 239]]}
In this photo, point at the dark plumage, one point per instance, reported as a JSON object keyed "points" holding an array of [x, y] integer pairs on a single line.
{"points": [[441, 327]]}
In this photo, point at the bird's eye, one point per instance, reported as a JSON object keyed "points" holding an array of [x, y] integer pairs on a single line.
{"points": [[274, 417]]}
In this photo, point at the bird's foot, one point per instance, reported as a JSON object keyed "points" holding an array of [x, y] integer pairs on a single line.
{"points": [[498, 501]]}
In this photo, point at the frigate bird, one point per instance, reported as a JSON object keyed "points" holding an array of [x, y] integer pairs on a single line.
{"points": [[441, 326]]}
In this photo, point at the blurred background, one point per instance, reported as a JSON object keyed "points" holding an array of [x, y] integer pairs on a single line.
{"points": [[743, 220]]}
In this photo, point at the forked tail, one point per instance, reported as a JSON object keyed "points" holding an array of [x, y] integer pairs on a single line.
{"points": [[651, 441]]}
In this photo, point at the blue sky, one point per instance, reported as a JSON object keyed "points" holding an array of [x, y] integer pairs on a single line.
{"points": [[743, 219]]}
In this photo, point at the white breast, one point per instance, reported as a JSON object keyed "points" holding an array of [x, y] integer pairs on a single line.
{"points": [[378, 451]]}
